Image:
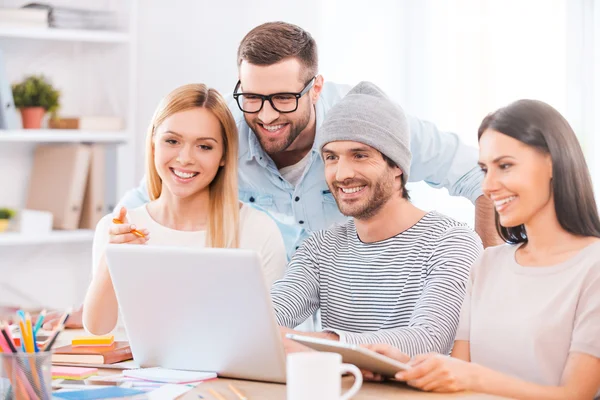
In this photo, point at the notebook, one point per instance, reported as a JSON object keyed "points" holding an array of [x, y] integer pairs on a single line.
{"points": [[72, 373], [107, 340], [57, 182], [94, 208], [166, 375], [119, 351], [130, 364]]}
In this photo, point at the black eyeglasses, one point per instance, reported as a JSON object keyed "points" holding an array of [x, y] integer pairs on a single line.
{"points": [[287, 102]]}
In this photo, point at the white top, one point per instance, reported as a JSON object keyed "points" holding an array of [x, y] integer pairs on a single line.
{"points": [[524, 321], [257, 232], [293, 173]]}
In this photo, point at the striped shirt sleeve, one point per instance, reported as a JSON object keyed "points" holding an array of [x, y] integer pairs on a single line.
{"points": [[432, 326], [296, 296]]}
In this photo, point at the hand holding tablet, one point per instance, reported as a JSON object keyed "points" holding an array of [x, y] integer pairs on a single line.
{"points": [[364, 359]]}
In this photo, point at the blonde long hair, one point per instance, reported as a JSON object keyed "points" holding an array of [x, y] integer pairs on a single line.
{"points": [[223, 218]]}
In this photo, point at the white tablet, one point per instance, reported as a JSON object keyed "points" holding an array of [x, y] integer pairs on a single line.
{"points": [[354, 354]]}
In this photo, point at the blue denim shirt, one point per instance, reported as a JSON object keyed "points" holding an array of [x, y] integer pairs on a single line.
{"points": [[438, 158]]}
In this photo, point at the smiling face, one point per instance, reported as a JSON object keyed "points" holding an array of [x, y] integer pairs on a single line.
{"points": [[360, 180], [277, 131], [517, 178], [188, 151]]}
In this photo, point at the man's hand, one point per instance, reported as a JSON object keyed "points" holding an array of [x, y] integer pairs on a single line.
{"points": [[388, 351], [53, 318], [292, 346], [485, 222]]}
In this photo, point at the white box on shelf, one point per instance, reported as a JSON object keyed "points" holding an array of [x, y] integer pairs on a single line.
{"points": [[34, 222]]}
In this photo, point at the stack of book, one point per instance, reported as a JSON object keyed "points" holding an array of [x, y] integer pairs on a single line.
{"points": [[99, 350], [24, 17], [42, 15], [76, 18]]}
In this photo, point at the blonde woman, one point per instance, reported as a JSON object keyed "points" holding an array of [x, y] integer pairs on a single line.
{"points": [[191, 169]]}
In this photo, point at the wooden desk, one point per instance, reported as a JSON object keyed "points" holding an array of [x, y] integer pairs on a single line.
{"points": [[368, 391], [273, 391]]}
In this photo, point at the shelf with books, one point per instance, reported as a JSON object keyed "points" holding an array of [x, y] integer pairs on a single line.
{"points": [[72, 35], [54, 237], [63, 136]]}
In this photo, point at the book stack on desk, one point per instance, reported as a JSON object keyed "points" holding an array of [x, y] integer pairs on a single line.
{"points": [[93, 351]]}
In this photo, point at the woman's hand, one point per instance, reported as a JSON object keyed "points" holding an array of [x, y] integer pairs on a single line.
{"points": [[121, 233], [437, 373], [388, 351], [73, 322]]}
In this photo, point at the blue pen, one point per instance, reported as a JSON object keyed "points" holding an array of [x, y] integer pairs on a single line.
{"points": [[35, 346], [39, 323], [37, 327]]}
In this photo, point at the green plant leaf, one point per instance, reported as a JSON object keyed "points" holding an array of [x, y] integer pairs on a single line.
{"points": [[7, 213], [36, 91]]}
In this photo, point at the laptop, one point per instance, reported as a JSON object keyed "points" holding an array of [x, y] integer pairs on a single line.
{"points": [[198, 309]]}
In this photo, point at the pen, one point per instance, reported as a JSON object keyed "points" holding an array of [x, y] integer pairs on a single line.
{"points": [[237, 392], [134, 231], [23, 336], [38, 324], [8, 338], [216, 394], [21, 315], [32, 345], [57, 331]]}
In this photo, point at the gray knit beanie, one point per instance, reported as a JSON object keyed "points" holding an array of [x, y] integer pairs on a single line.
{"points": [[366, 115]]}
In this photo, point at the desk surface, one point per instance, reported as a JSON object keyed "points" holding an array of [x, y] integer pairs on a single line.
{"points": [[273, 391], [368, 391]]}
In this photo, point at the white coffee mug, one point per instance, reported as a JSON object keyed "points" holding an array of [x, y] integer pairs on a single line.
{"points": [[318, 375]]}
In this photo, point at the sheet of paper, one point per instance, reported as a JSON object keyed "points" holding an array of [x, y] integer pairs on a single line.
{"points": [[168, 392], [168, 375]]}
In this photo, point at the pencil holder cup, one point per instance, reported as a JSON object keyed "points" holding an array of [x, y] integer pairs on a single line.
{"points": [[26, 376]]}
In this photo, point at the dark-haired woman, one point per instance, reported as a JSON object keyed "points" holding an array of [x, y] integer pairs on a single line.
{"points": [[530, 323]]}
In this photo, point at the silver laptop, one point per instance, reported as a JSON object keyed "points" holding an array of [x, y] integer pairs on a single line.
{"points": [[198, 309]]}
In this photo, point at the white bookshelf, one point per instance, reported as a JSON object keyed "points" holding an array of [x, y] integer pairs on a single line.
{"points": [[95, 70], [54, 237], [96, 73], [63, 136], [70, 35]]}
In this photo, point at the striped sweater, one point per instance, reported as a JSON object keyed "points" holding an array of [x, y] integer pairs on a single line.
{"points": [[406, 291]]}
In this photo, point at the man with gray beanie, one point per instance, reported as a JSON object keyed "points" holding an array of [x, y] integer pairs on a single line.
{"points": [[392, 273]]}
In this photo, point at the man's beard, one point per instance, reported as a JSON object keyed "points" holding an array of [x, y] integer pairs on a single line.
{"points": [[276, 146], [382, 191]]}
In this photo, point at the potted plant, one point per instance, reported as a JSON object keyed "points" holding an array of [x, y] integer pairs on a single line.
{"points": [[34, 97], [6, 215]]}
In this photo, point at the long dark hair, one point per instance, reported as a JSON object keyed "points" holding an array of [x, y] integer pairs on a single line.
{"points": [[540, 126]]}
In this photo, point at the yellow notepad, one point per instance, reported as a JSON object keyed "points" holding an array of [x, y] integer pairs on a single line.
{"points": [[93, 340]]}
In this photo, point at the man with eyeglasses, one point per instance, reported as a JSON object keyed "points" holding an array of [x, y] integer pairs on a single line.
{"points": [[279, 103], [283, 102]]}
